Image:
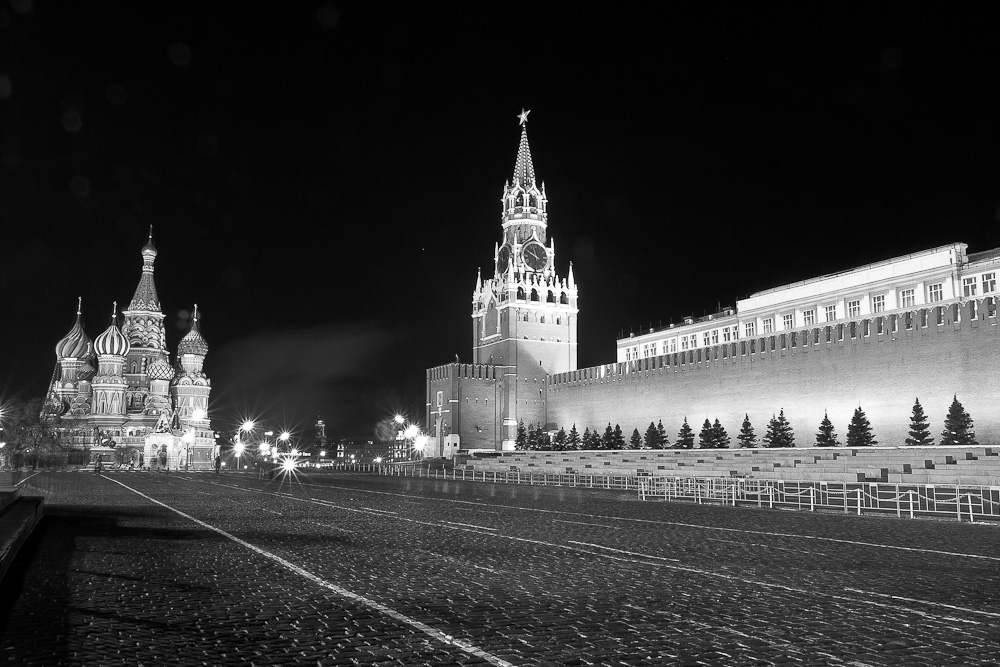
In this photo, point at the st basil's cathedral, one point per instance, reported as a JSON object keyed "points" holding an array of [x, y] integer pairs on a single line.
{"points": [[121, 399]]}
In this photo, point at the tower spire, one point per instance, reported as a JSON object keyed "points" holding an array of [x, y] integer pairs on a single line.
{"points": [[524, 170]]}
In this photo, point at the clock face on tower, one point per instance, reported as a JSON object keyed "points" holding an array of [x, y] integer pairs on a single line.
{"points": [[534, 255], [503, 259]]}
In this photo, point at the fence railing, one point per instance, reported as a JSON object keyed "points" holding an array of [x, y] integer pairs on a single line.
{"points": [[964, 503]]}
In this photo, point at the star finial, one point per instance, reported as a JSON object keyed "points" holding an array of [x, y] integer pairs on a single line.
{"points": [[523, 116]]}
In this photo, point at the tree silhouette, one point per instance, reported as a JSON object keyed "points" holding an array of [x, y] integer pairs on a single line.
{"points": [[920, 428], [635, 442], [706, 438], [652, 438], [958, 427], [719, 434], [559, 441], [859, 431], [746, 437], [826, 437], [779, 432], [685, 436], [573, 442], [661, 435], [521, 439], [608, 439]]}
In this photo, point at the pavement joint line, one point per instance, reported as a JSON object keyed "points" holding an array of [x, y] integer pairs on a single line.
{"points": [[470, 525], [680, 568], [27, 478], [665, 523], [936, 604], [583, 523], [434, 633], [768, 546], [621, 551]]}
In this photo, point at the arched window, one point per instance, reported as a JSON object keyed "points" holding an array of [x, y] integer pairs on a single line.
{"points": [[551, 298], [534, 295], [520, 293], [563, 299]]}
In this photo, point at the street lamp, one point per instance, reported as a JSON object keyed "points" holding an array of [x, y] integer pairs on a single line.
{"points": [[238, 450], [188, 439]]}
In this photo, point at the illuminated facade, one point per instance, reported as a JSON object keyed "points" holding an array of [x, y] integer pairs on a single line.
{"points": [[120, 392], [879, 336]]}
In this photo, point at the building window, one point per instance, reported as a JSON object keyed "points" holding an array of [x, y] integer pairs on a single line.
{"points": [[725, 335], [969, 287], [854, 308], [768, 325], [831, 313], [694, 341], [736, 332], [751, 329], [715, 337], [705, 339], [934, 293], [684, 342], [786, 322], [989, 282], [878, 303], [809, 317], [673, 345]]}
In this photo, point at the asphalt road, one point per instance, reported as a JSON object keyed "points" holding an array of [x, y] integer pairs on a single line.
{"points": [[343, 569]]}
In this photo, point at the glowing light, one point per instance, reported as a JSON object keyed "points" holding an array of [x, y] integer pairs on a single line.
{"points": [[247, 425], [420, 443], [285, 436], [399, 419], [295, 452], [264, 448], [188, 437], [288, 464], [411, 431], [238, 448], [323, 453], [378, 459], [199, 413]]}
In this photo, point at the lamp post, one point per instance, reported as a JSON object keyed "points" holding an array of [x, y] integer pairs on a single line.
{"points": [[188, 439], [238, 451]]}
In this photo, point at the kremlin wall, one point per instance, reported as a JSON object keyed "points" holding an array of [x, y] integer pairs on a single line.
{"points": [[880, 336]]}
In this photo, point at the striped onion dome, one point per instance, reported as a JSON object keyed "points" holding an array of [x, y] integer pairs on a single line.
{"points": [[193, 343], [160, 370], [75, 344], [112, 341]]}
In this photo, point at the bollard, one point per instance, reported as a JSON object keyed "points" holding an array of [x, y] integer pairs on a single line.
{"points": [[972, 519], [859, 501], [812, 499]]}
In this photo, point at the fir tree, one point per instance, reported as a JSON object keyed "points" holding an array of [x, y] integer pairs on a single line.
{"points": [[617, 438], [651, 439], [590, 440], [573, 442], [958, 427], [859, 431], [779, 432], [920, 429], [746, 438], [661, 435], [521, 439], [719, 434], [559, 441], [608, 439], [685, 437], [531, 438], [706, 439], [826, 436], [635, 442], [542, 439]]}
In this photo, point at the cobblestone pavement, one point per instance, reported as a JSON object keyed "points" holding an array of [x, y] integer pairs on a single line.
{"points": [[341, 569]]}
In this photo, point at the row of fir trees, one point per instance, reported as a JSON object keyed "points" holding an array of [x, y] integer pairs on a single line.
{"points": [[958, 430]]}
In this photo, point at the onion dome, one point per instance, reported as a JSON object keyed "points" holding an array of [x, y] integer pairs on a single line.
{"points": [[149, 250], [159, 370], [75, 344], [112, 341], [193, 343]]}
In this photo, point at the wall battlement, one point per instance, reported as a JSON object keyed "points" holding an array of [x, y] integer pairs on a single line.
{"points": [[466, 372], [946, 318]]}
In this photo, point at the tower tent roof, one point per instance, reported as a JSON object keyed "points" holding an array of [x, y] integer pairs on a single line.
{"points": [[145, 297], [524, 170]]}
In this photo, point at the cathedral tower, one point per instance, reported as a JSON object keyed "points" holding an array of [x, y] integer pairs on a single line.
{"points": [[143, 328], [525, 315], [109, 383]]}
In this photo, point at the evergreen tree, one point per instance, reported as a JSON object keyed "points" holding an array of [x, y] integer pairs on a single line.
{"points": [[826, 436], [608, 439], [590, 439], [746, 438], [920, 429], [531, 438], [720, 436], [521, 439], [661, 436], [618, 438], [859, 431], [685, 437], [573, 442], [542, 440], [958, 427], [559, 441], [779, 432], [651, 439], [635, 442], [706, 439]]}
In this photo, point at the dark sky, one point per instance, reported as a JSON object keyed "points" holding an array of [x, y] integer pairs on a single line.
{"points": [[324, 179]]}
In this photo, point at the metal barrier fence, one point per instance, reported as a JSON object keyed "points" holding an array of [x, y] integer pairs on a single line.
{"points": [[965, 503]]}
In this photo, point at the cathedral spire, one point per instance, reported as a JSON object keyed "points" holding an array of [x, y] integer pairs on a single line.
{"points": [[145, 297]]}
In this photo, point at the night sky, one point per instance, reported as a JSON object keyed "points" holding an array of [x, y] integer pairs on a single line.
{"points": [[324, 179]]}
